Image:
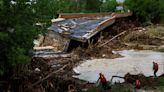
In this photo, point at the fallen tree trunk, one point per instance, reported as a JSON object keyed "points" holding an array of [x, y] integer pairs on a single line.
{"points": [[117, 77], [112, 38]]}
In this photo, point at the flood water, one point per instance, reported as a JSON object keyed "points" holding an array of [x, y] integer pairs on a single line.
{"points": [[134, 62]]}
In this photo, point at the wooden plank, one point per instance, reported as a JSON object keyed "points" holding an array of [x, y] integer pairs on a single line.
{"points": [[119, 15], [79, 15], [44, 48]]}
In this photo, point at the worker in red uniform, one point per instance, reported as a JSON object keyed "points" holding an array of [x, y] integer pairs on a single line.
{"points": [[103, 81], [137, 85], [155, 68]]}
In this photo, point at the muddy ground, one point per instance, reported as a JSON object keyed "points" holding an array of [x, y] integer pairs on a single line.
{"points": [[55, 74]]}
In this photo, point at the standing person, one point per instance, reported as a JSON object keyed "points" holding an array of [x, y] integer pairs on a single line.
{"points": [[155, 68], [103, 81], [137, 85]]}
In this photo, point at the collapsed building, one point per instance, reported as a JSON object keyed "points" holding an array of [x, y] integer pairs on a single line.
{"points": [[80, 27]]}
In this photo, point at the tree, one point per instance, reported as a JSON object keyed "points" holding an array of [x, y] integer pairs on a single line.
{"points": [[93, 5], [109, 6], [17, 27], [17, 32], [146, 10], [161, 8]]}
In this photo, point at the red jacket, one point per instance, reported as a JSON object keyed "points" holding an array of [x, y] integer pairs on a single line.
{"points": [[155, 66], [102, 78], [138, 84]]}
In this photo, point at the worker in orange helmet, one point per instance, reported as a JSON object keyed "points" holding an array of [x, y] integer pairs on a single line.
{"points": [[103, 81], [155, 68]]}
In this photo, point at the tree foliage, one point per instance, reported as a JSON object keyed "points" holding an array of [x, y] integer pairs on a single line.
{"points": [[16, 33], [109, 6], [146, 10], [93, 5]]}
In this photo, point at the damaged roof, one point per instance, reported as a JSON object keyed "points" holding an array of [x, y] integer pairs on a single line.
{"points": [[82, 27]]}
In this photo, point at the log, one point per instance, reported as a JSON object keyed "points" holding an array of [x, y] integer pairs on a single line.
{"points": [[117, 77], [112, 38], [43, 48]]}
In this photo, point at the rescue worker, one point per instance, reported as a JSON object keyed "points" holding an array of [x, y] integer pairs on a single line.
{"points": [[103, 81], [137, 85], [155, 68]]}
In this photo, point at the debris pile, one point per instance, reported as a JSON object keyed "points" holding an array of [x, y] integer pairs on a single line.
{"points": [[45, 75], [145, 81]]}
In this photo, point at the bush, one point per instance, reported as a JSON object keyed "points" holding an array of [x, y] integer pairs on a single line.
{"points": [[146, 10], [108, 6]]}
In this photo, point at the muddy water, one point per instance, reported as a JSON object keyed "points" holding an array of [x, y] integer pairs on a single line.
{"points": [[134, 62]]}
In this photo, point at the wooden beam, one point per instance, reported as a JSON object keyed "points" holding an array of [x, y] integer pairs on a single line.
{"points": [[112, 38]]}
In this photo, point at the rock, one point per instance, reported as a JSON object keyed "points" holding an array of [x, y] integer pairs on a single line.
{"points": [[103, 55], [76, 71], [84, 89], [37, 69]]}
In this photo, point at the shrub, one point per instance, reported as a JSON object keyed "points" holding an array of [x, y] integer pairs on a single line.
{"points": [[146, 10]]}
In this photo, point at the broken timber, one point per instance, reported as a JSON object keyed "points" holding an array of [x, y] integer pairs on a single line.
{"points": [[112, 38]]}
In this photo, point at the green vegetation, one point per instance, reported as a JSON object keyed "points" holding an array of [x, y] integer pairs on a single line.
{"points": [[125, 87], [146, 10], [93, 5], [108, 6], [16, 34], [159, 84], [122, 88], [115, 88]]}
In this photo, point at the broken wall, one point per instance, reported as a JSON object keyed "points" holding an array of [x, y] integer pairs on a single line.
{"points": [[56, 40]]}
